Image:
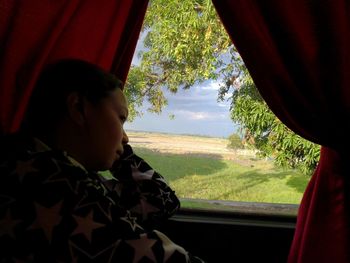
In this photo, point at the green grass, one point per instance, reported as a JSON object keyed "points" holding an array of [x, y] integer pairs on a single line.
{"points": [[200, 177]]}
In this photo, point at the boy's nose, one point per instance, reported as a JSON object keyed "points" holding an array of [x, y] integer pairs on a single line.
{"points": [[125, 139]]}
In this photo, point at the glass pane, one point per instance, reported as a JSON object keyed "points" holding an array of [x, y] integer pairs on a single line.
{"points": [[198, 119]]}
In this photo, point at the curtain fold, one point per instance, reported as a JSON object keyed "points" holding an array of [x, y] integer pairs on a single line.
{"points": [[33, 33], [298, 55]]}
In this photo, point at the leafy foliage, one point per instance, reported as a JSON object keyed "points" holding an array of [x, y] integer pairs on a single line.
{"points": [[186, 44], [265, 132], [183, 45], [235, 142]]}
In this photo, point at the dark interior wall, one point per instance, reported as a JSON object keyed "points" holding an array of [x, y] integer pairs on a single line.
{"points": [[233, 238]]}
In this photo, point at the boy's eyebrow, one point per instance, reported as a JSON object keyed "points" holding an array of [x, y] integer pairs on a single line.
{"points": [[125, 109]]}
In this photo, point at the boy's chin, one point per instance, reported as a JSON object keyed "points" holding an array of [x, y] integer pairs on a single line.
{"points": [[107, 165]]}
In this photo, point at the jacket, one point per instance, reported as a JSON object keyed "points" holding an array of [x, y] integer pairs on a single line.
{"points": [[53, 210]]}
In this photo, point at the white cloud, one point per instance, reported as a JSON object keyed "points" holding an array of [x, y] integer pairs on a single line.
{"points": [[199, 115], [211, 86]]}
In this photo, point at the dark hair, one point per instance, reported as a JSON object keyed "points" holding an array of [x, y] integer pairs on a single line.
{"points": [[47, 104]]}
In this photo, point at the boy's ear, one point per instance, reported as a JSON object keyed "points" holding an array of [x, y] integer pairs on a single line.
{"points": [[75, 107]]}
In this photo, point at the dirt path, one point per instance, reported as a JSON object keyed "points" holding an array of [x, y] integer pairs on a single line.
{"points": [[182, 144]]}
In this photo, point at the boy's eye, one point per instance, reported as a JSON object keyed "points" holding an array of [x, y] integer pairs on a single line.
{"points": [[122, 118]]}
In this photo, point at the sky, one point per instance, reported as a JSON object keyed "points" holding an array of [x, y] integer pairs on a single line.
{"points": [[196, 111]]}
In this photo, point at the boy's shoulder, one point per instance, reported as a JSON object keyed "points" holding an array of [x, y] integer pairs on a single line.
{"points": [[23, 160]]}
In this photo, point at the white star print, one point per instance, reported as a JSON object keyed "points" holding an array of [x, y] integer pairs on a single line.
{"points": [[138, 176], [131, 221], [86, 225], [47, 218], [142, 247], [169, 247], [161, 179], [144, 209], [84, 202], [165, 196], [110, 248], [57, 176]]}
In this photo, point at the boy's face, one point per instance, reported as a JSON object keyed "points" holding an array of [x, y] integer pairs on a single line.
{"points": [[104, 130]]}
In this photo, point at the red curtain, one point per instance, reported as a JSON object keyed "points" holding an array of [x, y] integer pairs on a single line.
{"points": [[298, 53], [36, 32]]}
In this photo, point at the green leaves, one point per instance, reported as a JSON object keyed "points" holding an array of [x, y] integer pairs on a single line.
{"points": [[265, 132], [235, 142], [183, 43]]}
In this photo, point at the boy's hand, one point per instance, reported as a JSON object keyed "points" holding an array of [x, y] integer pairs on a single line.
{"points": [[126, 155]]}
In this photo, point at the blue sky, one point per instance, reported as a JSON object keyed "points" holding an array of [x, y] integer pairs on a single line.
{"points": [[196, 111]]}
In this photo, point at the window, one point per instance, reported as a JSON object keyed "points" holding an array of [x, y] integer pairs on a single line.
{"points": [[198, 119]]}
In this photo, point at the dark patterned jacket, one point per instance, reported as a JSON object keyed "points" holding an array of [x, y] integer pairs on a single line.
{"points": [[53, 210]]}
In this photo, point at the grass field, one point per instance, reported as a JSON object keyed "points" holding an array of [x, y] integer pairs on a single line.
{"points": [[215, 175]]}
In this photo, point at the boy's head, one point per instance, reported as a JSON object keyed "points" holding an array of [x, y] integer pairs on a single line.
{"points": [[81, 100]]}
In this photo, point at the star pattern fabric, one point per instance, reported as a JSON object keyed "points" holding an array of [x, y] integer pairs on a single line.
{"points": [[7, 225], [86, 225], [131, 221], [53, 210], [47, 218], [169, 247], [140, 250], [24, 168], [142, 190]]}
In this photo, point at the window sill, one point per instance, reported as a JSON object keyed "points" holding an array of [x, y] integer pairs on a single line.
{"points": [[238, 213]]}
